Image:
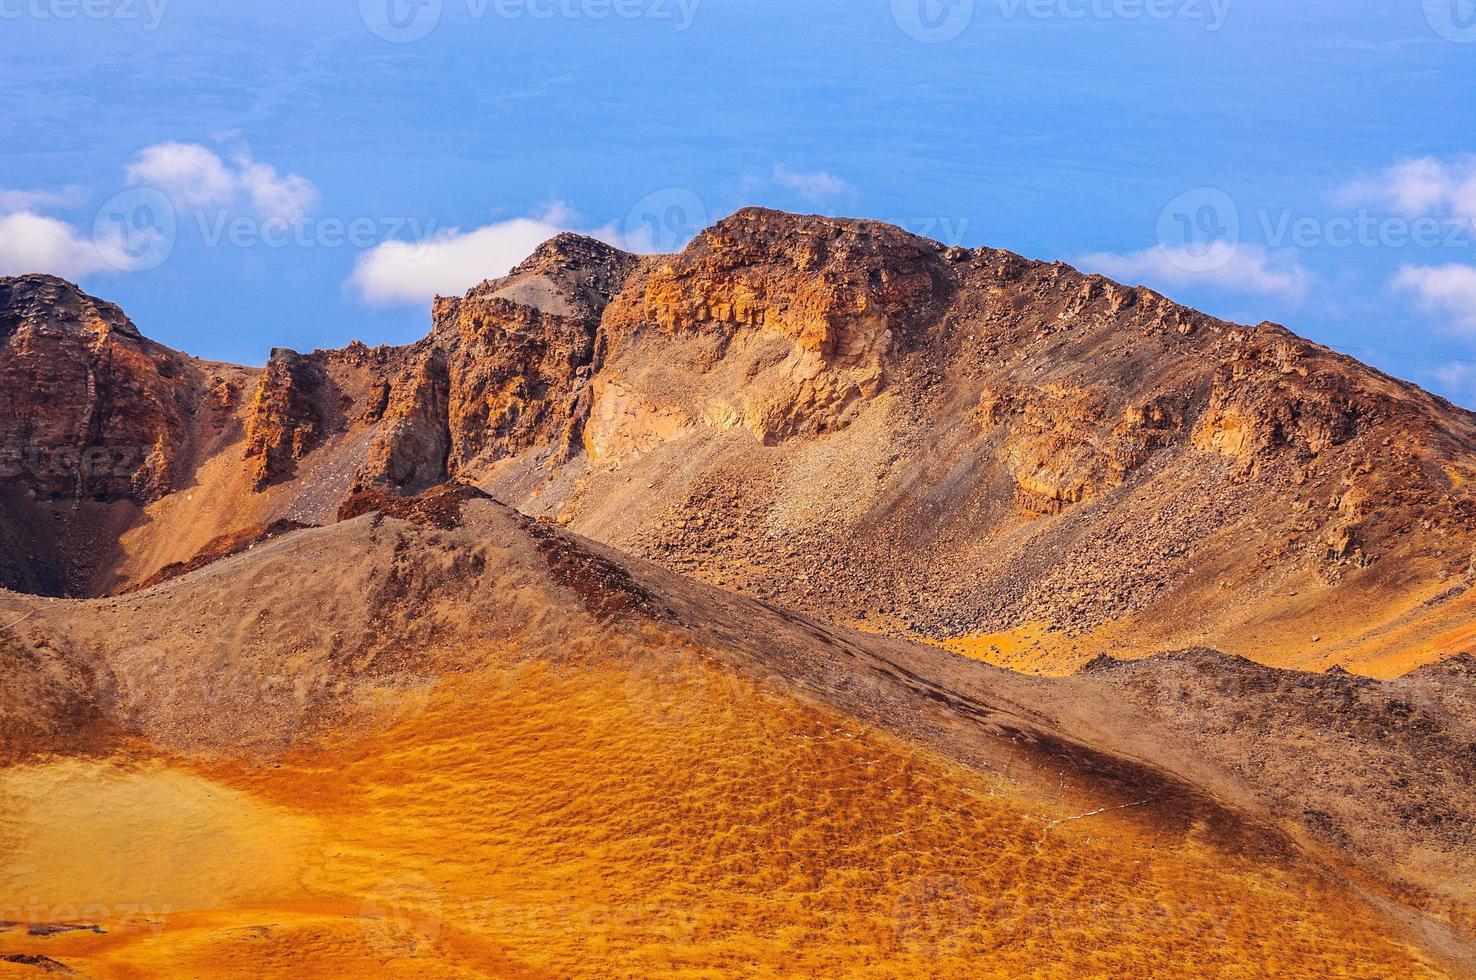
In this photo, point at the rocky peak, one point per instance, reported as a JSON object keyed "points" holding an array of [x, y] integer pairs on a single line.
{"points": [[801, 273], [850, 241], [577, 259], [505, 369], [568, 276], [812, 307], [89, 409], [42, 302]]}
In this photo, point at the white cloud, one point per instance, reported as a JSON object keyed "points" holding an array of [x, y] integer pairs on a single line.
{"points": [[452, 261], [189, 173], [1447, 290], [271, 195], [192, 175], [31, 242], [34, 242], [1423, 187], [817, 186], [1234, 268], [1457, 381]]}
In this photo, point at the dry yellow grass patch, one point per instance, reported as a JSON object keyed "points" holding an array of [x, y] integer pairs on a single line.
{"points": [[620, 822]]}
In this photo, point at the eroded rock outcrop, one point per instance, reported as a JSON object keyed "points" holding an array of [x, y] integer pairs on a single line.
{"points": [[1265, 399], [89, 409], [284, 421], [411, 445], [506, 370], [521, 351], [1064, 445], [788, 321]]}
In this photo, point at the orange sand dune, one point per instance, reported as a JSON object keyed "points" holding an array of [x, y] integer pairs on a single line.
{"points": [[533, 821]]}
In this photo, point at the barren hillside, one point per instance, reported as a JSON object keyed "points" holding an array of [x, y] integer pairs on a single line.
{"points": [[440, 736], [1027, 463]]}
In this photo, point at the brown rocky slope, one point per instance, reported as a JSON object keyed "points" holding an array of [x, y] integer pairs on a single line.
{"points": [[872, 427]]}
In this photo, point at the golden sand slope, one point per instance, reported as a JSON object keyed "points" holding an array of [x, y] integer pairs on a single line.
{"points": [[533, 821]]}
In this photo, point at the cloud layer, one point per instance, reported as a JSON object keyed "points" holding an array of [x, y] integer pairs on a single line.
{"points": [[187, 175], [13, 200], [815, 187], [1429, 187], [31, 242], [1458, 380]]}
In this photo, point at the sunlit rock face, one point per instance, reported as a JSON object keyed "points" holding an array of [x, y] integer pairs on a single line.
{"points": [[89, 409]]}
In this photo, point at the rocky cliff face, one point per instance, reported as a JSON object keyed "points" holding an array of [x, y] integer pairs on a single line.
{"points": [[783, 326], [412, 441], [1064, 444], [89, 409], [522, 351], [506, 370], [284, 422], [95, 423]]}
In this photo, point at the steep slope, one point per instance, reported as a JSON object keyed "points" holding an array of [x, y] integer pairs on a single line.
{"points": [[471, 744], [1026, 463], [95, 422]]}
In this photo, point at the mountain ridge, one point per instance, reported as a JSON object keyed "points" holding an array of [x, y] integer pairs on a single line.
{"points": [[967, 445]]}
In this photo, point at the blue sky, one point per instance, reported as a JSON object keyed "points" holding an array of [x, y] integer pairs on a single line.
{"points": [[239, 179]]}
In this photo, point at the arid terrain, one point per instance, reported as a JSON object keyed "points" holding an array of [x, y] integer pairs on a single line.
{"points": [[1028, 463], [818, 601]]}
